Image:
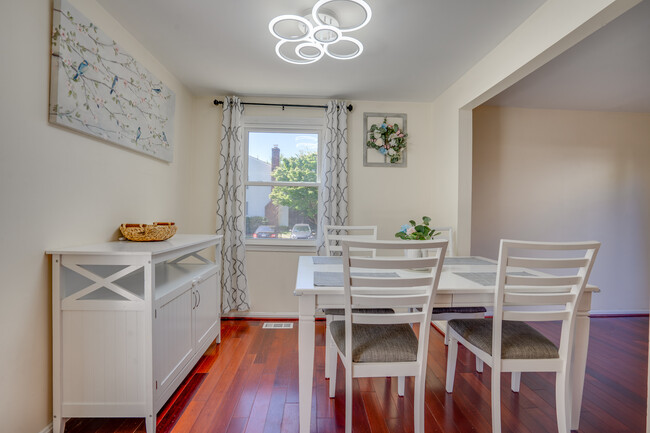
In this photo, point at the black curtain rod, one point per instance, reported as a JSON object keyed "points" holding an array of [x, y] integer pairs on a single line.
{"points": [[217, 102]]}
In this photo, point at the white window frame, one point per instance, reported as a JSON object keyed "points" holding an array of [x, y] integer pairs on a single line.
{"points": [[310, 125]]}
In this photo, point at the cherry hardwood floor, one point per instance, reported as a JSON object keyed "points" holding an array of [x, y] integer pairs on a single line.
{"points": [[249, 384]]}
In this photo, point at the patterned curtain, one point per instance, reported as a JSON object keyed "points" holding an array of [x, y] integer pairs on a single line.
{"points": [[231, 218], [333, 197]]}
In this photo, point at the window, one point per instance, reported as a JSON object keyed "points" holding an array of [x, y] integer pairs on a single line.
{"points": [[282, 180]]}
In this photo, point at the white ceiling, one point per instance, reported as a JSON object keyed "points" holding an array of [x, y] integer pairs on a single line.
{"points": [[607, 71], [413, 49]]}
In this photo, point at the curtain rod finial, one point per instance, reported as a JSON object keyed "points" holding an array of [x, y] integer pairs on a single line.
{"points": [[216, 102]]}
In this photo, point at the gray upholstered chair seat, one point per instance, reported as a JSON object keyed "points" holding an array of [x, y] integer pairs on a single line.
{"points": [[377, 343], [519, 340], [341, 311]]}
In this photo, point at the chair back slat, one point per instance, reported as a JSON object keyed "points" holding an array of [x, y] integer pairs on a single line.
{"points": [[389, 301], [351, 237], [334, 235], [536, 316], [535, 281], [394, 262], [389, 319], [389, 282], [549, 263], [539, 298]]}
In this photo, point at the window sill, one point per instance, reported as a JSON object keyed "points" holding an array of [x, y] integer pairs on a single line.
{"points": [[291, 246]]}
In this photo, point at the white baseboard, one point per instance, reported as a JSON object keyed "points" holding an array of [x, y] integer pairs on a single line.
{"points": [[259, 315], [596, 313], [48, 429]]}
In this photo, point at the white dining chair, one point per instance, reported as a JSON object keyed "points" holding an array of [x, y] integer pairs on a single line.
{"points": [[377, 345], [505, 342], [334, 235], [448, 234]]}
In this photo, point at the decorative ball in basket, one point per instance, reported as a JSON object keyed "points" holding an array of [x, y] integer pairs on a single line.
{"points": [[148, 232]]}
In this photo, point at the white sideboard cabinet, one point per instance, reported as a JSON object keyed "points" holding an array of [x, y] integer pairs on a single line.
{"points": [[129, 321]]}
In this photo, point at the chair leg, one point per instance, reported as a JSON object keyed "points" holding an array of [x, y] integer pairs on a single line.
{"points": [[332, 386], [447, 333], [515, 382], [401, 381], [561, 399], [479, 365], [328, 347], [496, 399], [348, 399], [418, 405], [452, 354]]}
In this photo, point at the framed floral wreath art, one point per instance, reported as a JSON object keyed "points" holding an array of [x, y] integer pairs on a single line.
{"points": [[384, 140]]}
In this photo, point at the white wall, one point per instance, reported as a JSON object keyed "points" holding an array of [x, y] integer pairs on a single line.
{"points": [[550, 30], [562, 175], [60, 188]]}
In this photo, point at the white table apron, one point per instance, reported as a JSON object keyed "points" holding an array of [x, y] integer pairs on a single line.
{"points": [[453, 289]]}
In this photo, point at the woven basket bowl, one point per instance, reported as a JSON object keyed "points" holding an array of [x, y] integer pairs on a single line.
{"points": [[148, 232]]}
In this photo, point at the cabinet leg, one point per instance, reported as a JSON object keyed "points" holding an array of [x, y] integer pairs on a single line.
{"points": [[150, 424], [58, 425]]}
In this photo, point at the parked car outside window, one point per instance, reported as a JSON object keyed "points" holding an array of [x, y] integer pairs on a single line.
{"points": [[265, 232], [301, 231]]}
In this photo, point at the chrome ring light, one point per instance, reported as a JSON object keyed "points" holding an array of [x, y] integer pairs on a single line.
{"points": [[357, 53], [363, 4], [318, 33]]}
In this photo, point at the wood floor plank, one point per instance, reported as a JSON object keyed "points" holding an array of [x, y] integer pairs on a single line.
{"points": [[236, 425], [290, 419], [249, 391], [261, 404], [189, 417], [218, 419], [275, 413], [374, 413], [180, 401]]}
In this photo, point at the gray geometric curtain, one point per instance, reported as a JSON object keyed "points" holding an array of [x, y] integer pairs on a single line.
{"points": [[333, 196], [230, 209]]}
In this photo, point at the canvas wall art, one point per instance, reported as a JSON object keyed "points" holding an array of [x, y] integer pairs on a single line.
{"points": [[99, 89]]}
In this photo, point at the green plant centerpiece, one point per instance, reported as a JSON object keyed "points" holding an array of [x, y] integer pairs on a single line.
{"points": [[415, 231], [389, 140]]}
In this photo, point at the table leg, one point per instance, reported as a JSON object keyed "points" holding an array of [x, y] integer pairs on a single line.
{"points": [[579, 365], [647, 419], [306, 347]]}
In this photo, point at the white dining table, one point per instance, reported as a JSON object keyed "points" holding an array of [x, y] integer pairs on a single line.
{"points": [[464, 281]]}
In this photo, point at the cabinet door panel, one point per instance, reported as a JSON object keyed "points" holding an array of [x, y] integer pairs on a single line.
{"points": [[172, 338], [207, 312]]}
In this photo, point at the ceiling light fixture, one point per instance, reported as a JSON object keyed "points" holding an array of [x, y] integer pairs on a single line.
{"points": [[305, 40]]}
